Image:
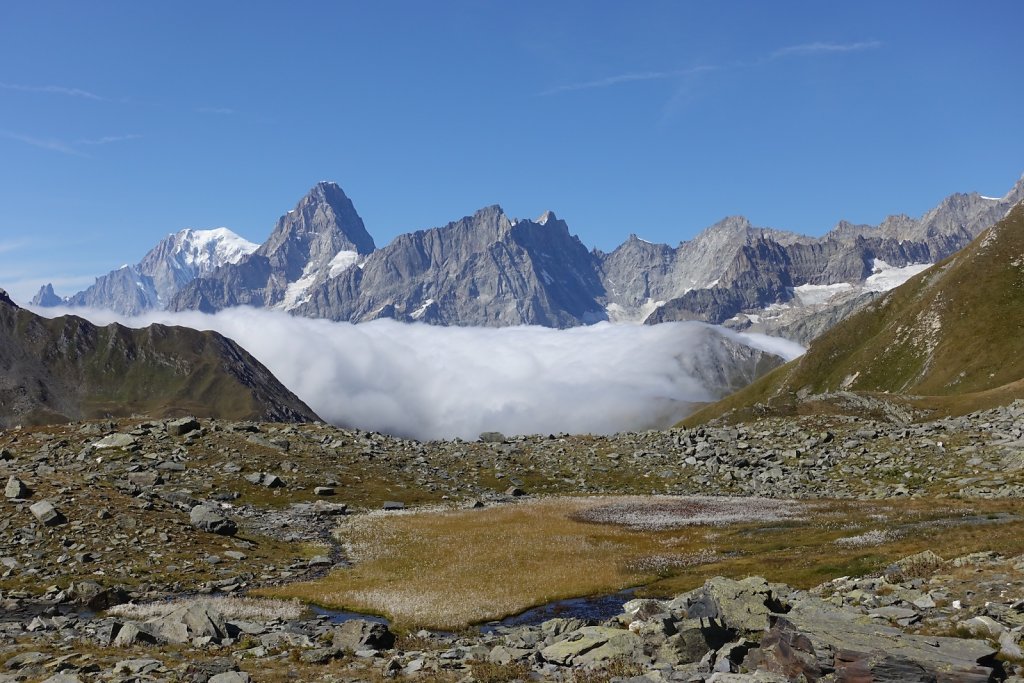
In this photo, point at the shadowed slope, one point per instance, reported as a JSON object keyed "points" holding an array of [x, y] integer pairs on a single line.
{"points": [[66, 368]]}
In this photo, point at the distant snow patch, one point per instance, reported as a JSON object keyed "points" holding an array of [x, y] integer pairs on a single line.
{"points": [[811, 295], [620, 314], [297, 292], [344, 260], [888, 277], [419, 312]]}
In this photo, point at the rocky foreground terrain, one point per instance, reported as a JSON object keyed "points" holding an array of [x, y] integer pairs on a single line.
{"points": [[100, 514]]}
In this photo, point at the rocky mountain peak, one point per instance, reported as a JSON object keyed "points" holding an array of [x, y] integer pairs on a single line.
{"points": [[6, 300], [323, 223], [546, 217], [46, 296]]}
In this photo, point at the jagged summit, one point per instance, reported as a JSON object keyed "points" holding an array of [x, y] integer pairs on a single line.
{"points": [[47, 297], [322, 223]]}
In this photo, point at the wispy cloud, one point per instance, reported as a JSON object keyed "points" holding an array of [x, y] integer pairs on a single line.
{"points": [[825, 48], [52, 89], [12, 245], [107, 139], [51, 144], [72, 148], [805, 50], [223, 111], [628, 78]]}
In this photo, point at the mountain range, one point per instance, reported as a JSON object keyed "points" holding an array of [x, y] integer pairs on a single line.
{"points": [[948, 341], [66, 368], [494, 270]]}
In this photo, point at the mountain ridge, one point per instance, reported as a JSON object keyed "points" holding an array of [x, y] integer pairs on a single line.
{"points": [[490, 269], [66, 368]]}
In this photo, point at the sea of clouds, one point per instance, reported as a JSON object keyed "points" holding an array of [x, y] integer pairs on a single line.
{"points": [[429, 382]]}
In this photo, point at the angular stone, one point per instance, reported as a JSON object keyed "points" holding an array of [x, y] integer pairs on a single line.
{"points": [[116, 441], [393, 505], [209, 518], [145, 478], [360, 634], [26, 659], [46, 513], [16, 488], [492, 437], [578, 643], [130, 634], [740, 605], [63, 678], [625, 646], [320, 655], [271, 481], [182, 426], [323, 490], [231, 677], [189, 622], [863, 647], [138, 666]]}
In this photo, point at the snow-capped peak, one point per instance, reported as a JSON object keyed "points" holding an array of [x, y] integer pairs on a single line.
{"points": [[205, 250]]}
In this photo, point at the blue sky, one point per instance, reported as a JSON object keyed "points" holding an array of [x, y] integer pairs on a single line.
{"points": [[123, 121]]}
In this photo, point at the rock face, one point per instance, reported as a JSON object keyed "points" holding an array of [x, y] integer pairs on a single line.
{"points": [[486, 269], [766, 266], [54, 370], [494, 270], [173, 263], [321, 237]]}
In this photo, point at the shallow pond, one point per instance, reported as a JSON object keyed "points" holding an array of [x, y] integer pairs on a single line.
{"points": [[597, 607]]}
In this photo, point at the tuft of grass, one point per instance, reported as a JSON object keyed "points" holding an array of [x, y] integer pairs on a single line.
{"points": [[489, 672]]}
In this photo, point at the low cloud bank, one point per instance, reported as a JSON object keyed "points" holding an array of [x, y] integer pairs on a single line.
{"points": [[431, 382]]}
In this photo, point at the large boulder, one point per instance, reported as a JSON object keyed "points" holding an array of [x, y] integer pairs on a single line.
{"points": [[741, 606], [580, 642], [182, 426], [209, 518], [859, 648], [189, 622], [362, 634]]}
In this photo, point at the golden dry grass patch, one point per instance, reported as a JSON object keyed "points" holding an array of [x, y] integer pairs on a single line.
{"points": [[449, 569]]}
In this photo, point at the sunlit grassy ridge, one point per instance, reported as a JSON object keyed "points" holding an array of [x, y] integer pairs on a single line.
{"points": [[951, 339], [450, 569]]}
